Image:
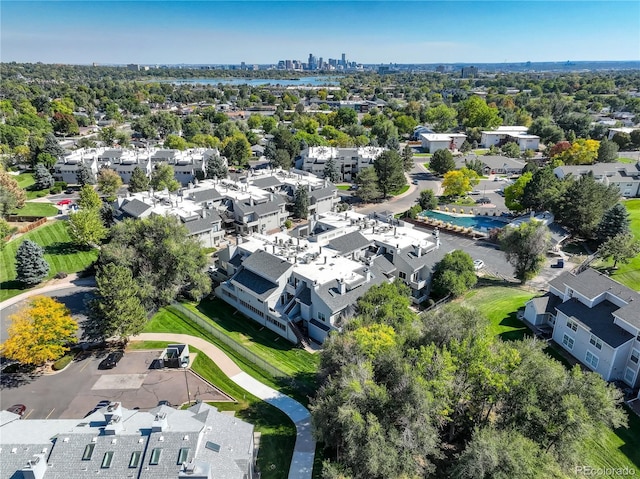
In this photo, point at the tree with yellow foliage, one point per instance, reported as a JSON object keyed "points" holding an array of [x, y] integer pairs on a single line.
{"points": [[581, 152], [40, 332]]}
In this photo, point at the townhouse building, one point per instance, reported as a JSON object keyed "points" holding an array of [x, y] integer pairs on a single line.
{"points": [[432, 142], [115, 442], [349, 161], [309, 284], [625, 176], [503, 134], [595, 319], [494, 165]]}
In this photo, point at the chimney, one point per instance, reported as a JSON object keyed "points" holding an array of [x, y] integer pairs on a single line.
{"points": [[251, 200], [367, 274], [418, 250], [395, 231], [159, 423], [320, 252], [35, 468], [274, 249], [114, 409], [114, 426], [325, 260], [342, 285]]}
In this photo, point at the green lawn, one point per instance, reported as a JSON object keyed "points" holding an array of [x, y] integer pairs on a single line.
{"points": [[33, 194], [399, 191], [626, 160], [628, 274], [343, 187], [422, 155], [60, 253], [605, 447], [500, 304], [300, 386], [25, 180], [32, 208], [278, 433]]}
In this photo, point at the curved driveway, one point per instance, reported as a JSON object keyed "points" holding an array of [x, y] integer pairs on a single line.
{"points": [[304, 450]]}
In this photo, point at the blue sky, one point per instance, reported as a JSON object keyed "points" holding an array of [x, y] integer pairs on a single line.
{"points": [[150, 32]]}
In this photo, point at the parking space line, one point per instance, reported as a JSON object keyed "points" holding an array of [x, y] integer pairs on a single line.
{"points": [[50, 413], [28, 414], [86, 364]]}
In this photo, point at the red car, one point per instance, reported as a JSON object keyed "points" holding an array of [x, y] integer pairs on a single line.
{"points": [[18, 409], [64, 202]]}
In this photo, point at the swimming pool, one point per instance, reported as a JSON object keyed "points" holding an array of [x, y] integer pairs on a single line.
{"points": [[479, 223]]}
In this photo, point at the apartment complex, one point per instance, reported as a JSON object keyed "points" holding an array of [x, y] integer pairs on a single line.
{"points": [[188, 165], [115, 442], [349, 161], [625, 176], [504, 134], [595, 319], [296, 285]]}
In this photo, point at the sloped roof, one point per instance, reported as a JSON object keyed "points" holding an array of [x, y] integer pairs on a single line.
{"points": [[135, 208], [267, 265], [267, 182], [202, 224], [201, 195], [260, 287], [354, 241]]}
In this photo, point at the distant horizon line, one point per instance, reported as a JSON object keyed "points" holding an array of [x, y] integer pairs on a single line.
{"points": [[525, 62]]}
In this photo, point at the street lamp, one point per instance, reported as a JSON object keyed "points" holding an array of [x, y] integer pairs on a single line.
{"points": [[185, 365]]}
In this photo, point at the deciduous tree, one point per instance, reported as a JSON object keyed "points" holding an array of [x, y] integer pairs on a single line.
{"points": [[11, 195], [427, 200], [163, 177], [109, 182], [621, 248], [513, 193], [84, 175], [454, 274], [88, 198], [31, 267], [40, 332], [525, 247], [86, 228], [474, 112], [442, 162]]}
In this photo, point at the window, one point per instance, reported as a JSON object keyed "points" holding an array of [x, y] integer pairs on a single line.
{"points": [[106, 460], [183, 455], [402, 275], [88, 452], [572, 325], [635, 354], [567, 341], [321, 316], [135, 459], [155, 456], [212, 446], [591, 359], [595, 342], [629, 376]]}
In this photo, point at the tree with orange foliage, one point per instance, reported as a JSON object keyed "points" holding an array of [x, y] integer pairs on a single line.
{"points": [[40, 332]]}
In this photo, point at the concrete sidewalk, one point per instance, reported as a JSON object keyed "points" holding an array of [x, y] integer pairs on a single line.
{"points": [[304, 450], [51, 285]]}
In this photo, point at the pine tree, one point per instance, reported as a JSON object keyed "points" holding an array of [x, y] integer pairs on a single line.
{"points": [[52, 146], [43, 178], [31, 267], [301, 202], [614, 222], [217, 167], [138, 181], [84, 175], [331, 172]]}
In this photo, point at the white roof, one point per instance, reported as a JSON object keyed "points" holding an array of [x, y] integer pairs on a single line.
{"points": [[441, 136]]}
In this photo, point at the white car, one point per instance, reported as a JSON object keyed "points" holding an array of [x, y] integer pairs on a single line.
{"points": [[478, 264]]}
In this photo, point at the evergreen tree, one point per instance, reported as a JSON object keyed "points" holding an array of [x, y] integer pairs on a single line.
{"points": [[367, 181], [52, 147], [608, 151], [43, 178], [84, 175], [117, 309], [407, 158], [390, 170], [614, 222], [301, 202], [442, 162], [621, 248], [427, 200], [31, 267], [217, 167], [138, 181], [331, 171]]}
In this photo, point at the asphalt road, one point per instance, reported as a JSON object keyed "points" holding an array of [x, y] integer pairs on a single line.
{"points": [[73, 298]]}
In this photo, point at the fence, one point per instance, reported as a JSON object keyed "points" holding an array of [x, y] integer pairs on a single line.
{"points": [[238, 348]]}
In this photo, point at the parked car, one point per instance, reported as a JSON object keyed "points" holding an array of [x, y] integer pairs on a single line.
{"points": [[478, 264], [18, 409], [475, 192], [164, 402], [64, 202], [111, 361], [558, 264]]}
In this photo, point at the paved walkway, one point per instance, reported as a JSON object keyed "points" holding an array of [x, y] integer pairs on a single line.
{"points": [[51, 285], [304, 450]]}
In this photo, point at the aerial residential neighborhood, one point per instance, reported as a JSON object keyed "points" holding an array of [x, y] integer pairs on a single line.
{"points": [[399, 256]]}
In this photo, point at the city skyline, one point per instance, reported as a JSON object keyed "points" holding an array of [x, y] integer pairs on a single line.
{"points": [[218, 32]]}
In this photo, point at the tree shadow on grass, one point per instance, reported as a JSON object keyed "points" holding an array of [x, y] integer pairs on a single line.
{"points": [[12, 284], [520, 330], [60, 248], [301, 386]]}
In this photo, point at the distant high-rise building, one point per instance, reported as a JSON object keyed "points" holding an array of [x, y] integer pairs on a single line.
{"points": [[469, 72], [133, 66], [440, 68], [344, 60]]}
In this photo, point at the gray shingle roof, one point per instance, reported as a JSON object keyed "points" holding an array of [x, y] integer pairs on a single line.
{"points": [[200, 195], [322, 193], [260, 287], [329, 292], [267, 265], [598, 319], [260, 209], [350, 242], [135, 208], [203, 224], [591, 284], [546, 303], [267, 182]]}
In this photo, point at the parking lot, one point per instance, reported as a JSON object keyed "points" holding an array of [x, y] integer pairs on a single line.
{"points": [[75, 391]]}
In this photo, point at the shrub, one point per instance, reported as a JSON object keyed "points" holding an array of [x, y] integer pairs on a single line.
{"points": [[63, 362], [60, 275], [288, 224]]}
